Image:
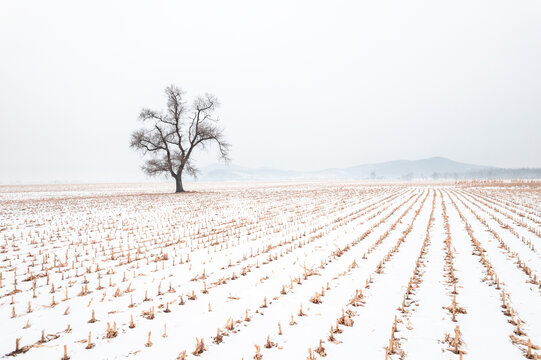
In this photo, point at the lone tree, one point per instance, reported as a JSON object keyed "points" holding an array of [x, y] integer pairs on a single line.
{"points": [[169, 137]]}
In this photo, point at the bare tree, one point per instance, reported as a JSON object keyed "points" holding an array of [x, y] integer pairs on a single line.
{"points": [[169, 137]]}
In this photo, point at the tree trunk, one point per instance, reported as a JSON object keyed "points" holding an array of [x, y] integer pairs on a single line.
{"points": [[180, 188]]}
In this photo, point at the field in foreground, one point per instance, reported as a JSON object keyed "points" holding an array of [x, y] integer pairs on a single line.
{"points": [[271, 271]]}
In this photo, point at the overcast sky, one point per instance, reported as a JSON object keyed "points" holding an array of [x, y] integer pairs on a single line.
{"points": [[303, 85]]}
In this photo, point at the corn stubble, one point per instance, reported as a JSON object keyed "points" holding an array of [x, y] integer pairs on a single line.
{"points": [[294, 257]]}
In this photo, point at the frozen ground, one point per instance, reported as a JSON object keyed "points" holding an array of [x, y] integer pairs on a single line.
{"points": [[265, 270]]}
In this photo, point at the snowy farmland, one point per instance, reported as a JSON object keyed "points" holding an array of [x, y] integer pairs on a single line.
{"points": [[271, 271]]}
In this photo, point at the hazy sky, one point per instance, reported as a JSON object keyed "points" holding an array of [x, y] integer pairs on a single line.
{"points": [[303, 85]]}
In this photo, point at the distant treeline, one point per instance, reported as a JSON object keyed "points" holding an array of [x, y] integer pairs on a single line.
{"points": [[524, 173]]}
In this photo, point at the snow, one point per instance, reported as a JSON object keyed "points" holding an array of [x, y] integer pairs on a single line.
{"points": [[283, 242]]}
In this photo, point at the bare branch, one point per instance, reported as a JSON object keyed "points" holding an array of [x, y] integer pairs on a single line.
{"points": [[169, 142]]}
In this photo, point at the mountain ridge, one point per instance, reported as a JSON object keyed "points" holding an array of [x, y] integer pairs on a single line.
{"points": [[429, 168]]}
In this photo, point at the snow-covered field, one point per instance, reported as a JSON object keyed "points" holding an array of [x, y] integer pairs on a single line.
{"points": [[346, 270]]}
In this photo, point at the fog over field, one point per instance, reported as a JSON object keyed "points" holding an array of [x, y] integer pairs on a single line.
{"points": [[304, 85]]}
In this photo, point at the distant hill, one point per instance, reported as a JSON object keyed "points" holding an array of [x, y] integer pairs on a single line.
{"points": [[418, 169], [431, 168]]}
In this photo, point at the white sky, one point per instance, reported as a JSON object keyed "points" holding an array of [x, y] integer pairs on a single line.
{"points": [[303, 85]]}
